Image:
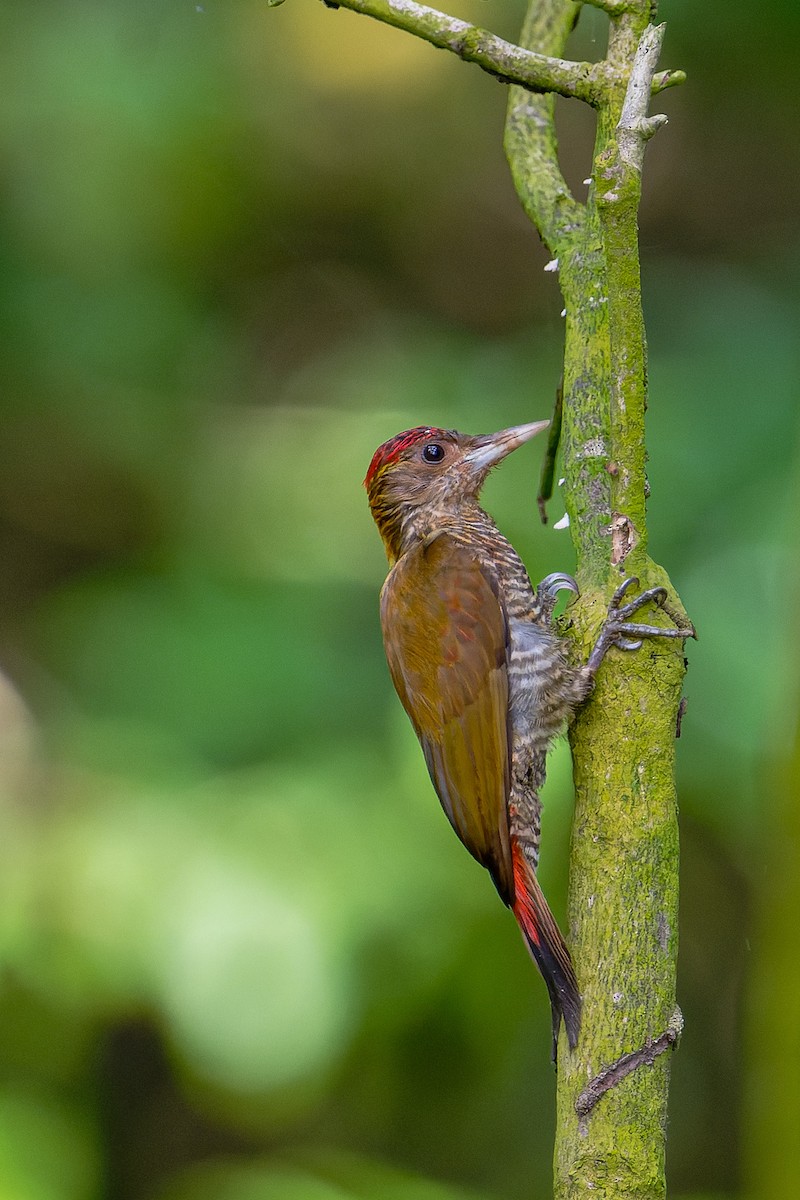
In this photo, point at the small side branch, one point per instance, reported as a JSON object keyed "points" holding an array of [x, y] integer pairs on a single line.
{"points": [[667, 79], [506, 61], [626, 1064]]}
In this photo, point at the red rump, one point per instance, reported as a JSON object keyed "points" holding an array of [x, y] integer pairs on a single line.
{"points": [[390, 451], [546, 946], [523, 907]]}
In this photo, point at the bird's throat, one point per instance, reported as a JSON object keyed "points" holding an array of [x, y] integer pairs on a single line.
{"points": [[404, 526]]}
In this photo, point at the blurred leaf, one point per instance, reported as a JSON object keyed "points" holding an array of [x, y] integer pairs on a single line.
{"points": [[327, 1177], [234, 670], [46, 1151], [252, 994], [364, 1180], [249, 1181]]}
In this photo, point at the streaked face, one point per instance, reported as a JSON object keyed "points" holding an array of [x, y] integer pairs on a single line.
{"points": [[426, 464], [410, 467]]}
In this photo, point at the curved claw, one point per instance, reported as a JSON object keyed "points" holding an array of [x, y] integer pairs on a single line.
{"points": [[559, 581], [631, 581], [621, 612], [625, 643]]}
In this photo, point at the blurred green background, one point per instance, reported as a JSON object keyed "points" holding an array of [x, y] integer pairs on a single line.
{"points": [[243, 957]]}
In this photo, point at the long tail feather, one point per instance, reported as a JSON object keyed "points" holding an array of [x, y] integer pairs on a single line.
{"points": [[548, 948]]}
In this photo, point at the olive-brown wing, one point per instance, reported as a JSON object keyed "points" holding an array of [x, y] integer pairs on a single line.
{"points": [[446, 638]]}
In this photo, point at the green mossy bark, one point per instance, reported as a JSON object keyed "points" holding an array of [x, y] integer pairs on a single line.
{"points": [[624, 861]]}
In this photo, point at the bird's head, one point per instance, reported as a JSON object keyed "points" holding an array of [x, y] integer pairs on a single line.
{"points": [[436, 471]]}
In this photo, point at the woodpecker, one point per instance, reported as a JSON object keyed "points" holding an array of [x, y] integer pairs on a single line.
{"points": [[484, 677]]}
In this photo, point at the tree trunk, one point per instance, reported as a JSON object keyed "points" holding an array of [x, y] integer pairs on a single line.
{"points": [[612, 1091]]}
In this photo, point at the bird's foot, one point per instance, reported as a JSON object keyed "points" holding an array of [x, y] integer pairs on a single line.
{"points": [[618, 630]]}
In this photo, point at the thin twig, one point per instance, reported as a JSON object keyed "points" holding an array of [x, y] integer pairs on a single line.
{"points": [[635, 127], [551, 450], [505, 60]]}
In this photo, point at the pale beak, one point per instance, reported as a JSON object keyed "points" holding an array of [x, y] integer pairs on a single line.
{"points": [[493, 448]]}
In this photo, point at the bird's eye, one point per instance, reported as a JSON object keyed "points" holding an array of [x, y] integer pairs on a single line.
{"points": [[433, 452]]}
